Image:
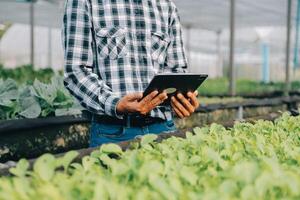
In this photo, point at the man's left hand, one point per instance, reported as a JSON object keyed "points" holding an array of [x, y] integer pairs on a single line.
{"points": [[185, 106]]}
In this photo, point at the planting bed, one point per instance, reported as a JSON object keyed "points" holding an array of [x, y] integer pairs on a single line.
{"points": [[30, 138], [249, 161]]}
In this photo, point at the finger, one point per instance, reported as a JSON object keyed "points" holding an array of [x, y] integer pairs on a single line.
{"points": [[134, 96], [158, 100], [152, 100], [194, 100], [148, 98], [132, 107], [178, 113], [180, 107], [186, 103]]}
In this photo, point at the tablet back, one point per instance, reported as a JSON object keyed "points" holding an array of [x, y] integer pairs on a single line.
{"points": [[175, 83]]}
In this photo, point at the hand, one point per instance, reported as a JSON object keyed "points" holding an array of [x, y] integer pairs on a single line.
{"points": [[135, 103], [184, 107]]}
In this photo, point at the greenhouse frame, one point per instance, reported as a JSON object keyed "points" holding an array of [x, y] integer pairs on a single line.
{"points": [[241, 142]]}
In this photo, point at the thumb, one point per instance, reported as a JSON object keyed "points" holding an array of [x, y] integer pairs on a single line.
{"points": [[196, 93], [134, 96]]}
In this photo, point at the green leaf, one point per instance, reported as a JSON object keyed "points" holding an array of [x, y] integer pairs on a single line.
{"points": [[67, 159], [67, 111], [248, 192], [147, 139], [8, 89], [77, 166], [188, 175], [21, 168], [44, 167], [30, 108], [228, 188], [189, 135], [111, 149], [44, 91], [160, 185], [6, 103], [88, 162]]}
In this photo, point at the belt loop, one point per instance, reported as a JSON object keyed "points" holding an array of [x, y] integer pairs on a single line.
{"points": [[128, 121], [164, 112], [93, 118]]}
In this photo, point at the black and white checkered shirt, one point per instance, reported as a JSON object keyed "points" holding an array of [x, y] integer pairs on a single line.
{"points": [[115, 47]]}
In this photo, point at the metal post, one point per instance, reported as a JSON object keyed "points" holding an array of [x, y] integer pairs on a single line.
{"points": [[296, 50], [0, 54], [32, 33], [240, 114], [188, 42], [288, 45], [50, 47], [219, 53], [265, 62], [232, 78]]}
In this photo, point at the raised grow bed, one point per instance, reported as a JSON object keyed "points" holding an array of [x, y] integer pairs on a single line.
{"points": [[249, 161], [30, 138]]}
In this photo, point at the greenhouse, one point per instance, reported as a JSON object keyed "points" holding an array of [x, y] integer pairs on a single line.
{"points": [[73, 125]]}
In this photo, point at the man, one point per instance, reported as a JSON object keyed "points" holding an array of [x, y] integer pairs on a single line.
{"points": [[113, 49]]}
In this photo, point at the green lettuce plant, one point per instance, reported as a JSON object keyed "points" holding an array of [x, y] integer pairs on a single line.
{"points": [[249, 161], [37, 100]]}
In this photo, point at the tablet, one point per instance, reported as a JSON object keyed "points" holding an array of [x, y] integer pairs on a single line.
{"points": [[175, 83]]}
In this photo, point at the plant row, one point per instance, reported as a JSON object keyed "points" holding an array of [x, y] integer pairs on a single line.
{"points": [[27, 74], [249, 161], [220, 86], [36, 100]]}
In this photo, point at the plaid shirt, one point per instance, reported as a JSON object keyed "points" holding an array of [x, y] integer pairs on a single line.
{"points": [[115, 47]]}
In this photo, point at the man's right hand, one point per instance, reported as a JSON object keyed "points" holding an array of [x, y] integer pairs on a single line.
{"points": [[135, 103]]}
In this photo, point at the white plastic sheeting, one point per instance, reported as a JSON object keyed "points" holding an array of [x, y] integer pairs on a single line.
{"points": [[205, 16], [46, 13], [15, 47]]}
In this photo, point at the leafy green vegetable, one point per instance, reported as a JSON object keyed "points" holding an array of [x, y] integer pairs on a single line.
{"points": [[37, 100], [44, 167], [26, 74], [66, 160], [249, 161], [111, 149], [21, 169], [219, 86], [30, 107], [148, 139]]}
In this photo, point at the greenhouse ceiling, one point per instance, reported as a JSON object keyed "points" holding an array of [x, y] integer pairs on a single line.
{"points": [[204, 14]]}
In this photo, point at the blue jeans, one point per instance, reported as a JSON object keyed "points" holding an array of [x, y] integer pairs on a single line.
{"points": [[106, 133]]}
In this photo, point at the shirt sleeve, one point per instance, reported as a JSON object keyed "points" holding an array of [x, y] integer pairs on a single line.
{"points": [[92, 92], [176, 58]]}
